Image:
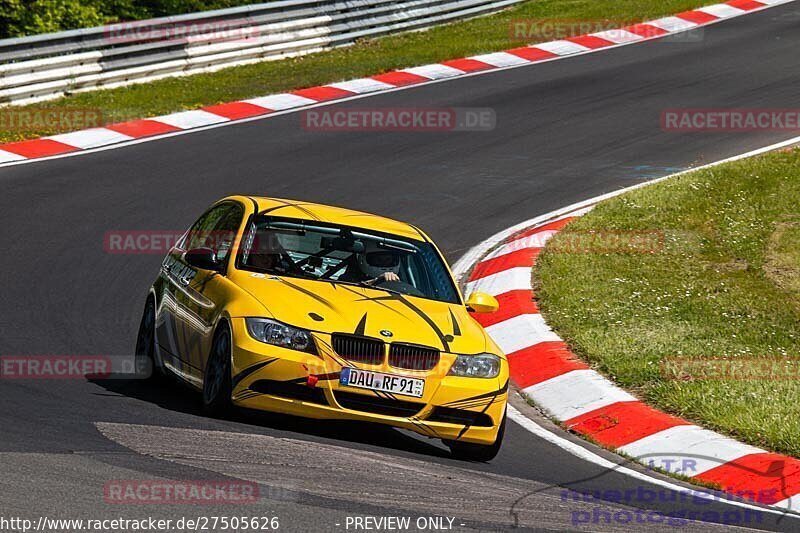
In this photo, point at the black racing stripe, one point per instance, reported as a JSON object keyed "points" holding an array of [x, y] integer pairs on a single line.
{"points": [[365, 298], [361, 328], [419, 231], [425, 428], [400, 298], [306, 292], [492, 394], [298, 206], [499, 391], [456, 327], [249, 370], [332, 353], [255, 204]]}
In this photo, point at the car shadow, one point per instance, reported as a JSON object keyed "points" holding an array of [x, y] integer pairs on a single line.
{"points": [[173, 395]]}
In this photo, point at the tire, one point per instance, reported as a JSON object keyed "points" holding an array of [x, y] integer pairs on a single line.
{"points": [[217, 386], [467, 451], [146, 364]]}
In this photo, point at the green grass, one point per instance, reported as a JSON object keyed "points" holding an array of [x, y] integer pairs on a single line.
{"points": [[484, 34], [688, 325]]}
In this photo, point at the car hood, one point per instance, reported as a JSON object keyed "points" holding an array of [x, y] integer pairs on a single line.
{"points": [[343, 308]]}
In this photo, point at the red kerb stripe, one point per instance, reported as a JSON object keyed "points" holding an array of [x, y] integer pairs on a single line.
{"points": [[541, 362], [621, 423]]}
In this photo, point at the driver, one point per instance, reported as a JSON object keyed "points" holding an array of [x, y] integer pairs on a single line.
{"points": [[374, 265], [264, 253]]}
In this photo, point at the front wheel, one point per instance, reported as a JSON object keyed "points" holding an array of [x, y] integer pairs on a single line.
{"points": [[467, 451], [217, 387]]}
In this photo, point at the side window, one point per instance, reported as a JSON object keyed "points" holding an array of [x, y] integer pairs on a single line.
{"points": [[225, 231], [215, 229]]}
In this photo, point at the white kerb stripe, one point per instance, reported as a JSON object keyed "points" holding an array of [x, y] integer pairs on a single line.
{"points": [[618, 36], [672, 24], [575, 393], [521, 331], [5, 157], [518, 278], [361, 85], [434, 71], [190, 119], [562, 48], [721, 10], [792, 503], [688, 450], [500, 59], [536, 240], [90, 138], [278, 102]]}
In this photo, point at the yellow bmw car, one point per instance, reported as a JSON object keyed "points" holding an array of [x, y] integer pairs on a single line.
{"points": [[324, 312]]}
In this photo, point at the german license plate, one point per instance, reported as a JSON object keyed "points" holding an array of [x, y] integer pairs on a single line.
{"points": [[364, 379]]}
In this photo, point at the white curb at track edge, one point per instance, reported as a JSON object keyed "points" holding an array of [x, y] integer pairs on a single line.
{"points": [[214, 116], [677, 438]]}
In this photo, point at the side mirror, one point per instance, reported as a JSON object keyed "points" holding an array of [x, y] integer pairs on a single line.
{"points": [[204, 258], [480, 302]]}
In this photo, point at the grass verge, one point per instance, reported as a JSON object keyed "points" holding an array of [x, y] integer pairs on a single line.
{"points": [[702, 317], [484, 34]]}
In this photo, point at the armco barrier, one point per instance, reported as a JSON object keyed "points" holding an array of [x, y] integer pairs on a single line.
{"points": [[46, 66]]}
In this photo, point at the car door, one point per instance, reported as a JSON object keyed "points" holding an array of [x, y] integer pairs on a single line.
{"points": [[176, 276], [200, 300]]}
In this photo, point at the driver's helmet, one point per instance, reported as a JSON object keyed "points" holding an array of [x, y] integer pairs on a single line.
{"points": [[375, 260]]}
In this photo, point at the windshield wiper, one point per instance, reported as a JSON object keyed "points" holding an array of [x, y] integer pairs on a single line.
{"points": [[378, 287]]}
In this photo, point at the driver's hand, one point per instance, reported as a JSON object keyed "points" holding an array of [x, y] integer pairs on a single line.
{"points": [[388, 276]]}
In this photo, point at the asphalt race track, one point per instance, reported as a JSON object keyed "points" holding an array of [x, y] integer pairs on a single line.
{"points": [[566, 131]]}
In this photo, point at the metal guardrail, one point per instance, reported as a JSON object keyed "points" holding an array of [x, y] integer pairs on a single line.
{"points": [[47, 66]]}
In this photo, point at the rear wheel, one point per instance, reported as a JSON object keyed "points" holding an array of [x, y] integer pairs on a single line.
{"points": [[217, 387], [467, 451], [146, 364]]}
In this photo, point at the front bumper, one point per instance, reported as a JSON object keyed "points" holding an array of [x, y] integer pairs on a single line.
{"points": [[276, 379]]}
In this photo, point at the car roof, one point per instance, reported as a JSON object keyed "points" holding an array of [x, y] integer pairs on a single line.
{"points": [[281, 207]]}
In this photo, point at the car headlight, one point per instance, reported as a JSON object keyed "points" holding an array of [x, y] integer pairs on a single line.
{"points": [[484, 365], [278, 334]]}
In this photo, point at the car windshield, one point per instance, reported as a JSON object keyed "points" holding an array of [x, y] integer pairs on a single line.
{"points": [[343, 254]]}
